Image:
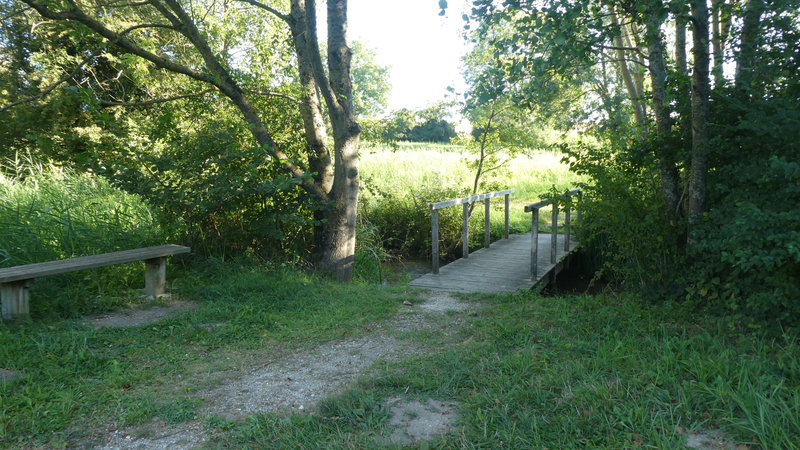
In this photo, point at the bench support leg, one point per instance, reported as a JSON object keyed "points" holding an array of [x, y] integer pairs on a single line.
{"points": [[14, 297], [155, 277]]}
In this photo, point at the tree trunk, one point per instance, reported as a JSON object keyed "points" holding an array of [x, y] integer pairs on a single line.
{"points": [[716, 42], [311, 110], [639, 68], [680, 43], [700, 113], [745, 62], [658, 76], [334, 252], [627, 78]]}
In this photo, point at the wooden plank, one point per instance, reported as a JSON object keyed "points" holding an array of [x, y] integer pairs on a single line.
{"points": [[507, 205], [474, 198], [534, 241], [505, 267], [554, 236], [542, 203], [37, 270], [15, 299], [566, 228], [155, 277], [538, 205]]}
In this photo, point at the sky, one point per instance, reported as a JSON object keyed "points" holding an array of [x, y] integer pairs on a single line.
{"points": [[423, 49]]}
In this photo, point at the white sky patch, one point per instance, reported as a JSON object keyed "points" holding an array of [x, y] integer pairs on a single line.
{"points": [[423, 49]]}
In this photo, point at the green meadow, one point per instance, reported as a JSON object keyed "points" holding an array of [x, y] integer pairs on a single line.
{"points": [[399, 183]]}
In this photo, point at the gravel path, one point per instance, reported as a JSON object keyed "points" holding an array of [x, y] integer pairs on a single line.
{"points": [[299, 380]]}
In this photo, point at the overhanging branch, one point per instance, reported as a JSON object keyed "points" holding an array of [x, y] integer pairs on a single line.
{"points": [[106, 103], [285, 17], [274, 94], [115, 38]]}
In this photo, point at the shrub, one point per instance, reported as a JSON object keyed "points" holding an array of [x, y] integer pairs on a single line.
{"points": [[623, 224], [747, 263], [403, 221], [219, 195]]}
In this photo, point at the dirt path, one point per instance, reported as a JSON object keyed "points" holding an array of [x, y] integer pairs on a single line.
{"points": [[299, 380]]}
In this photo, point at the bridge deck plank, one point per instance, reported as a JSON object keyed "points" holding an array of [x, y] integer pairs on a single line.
{"points": [[503, 267]]}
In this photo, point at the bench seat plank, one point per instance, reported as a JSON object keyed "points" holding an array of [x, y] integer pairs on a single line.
{"points": [[30, 271]]}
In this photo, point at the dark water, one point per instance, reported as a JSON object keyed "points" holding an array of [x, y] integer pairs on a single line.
{"points": [[411, 268], [576, 279]]}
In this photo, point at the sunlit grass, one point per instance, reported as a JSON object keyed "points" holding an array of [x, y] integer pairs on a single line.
{"points": [[414, 167], [578, 372]]}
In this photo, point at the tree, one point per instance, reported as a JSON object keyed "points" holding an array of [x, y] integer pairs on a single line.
{"points": [[185, 40], [703, 162], [500, 131], [371, 84], [700, 116]]}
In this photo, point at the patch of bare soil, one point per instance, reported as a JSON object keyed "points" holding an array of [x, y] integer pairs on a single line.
{"points": [[139, 315], [415, 421], [711, 440], [8, 375], [298, 381]]}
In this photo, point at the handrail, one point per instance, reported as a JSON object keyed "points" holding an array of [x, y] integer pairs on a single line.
{"points": [[534, 208], [466, 201], [543, 203], [471, 199]]}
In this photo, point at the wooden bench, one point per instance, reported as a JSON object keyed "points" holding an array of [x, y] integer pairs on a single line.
{"points": [[15, 281]]}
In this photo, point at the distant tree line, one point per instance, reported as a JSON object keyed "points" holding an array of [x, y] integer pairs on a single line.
{"points": [[426, 125]]}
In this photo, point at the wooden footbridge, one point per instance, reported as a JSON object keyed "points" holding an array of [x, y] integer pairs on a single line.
{"points": [[517, 261]]}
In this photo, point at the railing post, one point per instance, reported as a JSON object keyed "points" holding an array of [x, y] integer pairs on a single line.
{"points": [[465, 231], [566, 228], [508, 202], [554, 235], [580, 199], [435, 240], [487, 239], [534, 242]]}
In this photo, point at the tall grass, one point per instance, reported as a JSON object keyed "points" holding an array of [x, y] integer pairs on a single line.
{"points": [[398, 183], [49, 213]]}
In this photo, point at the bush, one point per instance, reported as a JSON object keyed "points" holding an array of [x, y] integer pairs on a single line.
{"points": [[623, 224], [50, 213], [221, 196], [747, 263], [404, 221]]}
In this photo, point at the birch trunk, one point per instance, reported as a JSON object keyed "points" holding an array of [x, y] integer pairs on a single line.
{"points": [[700, 116], [658, 76]]}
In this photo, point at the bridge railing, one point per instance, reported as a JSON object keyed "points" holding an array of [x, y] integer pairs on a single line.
{"points": [[466, 201], [534, 208]]}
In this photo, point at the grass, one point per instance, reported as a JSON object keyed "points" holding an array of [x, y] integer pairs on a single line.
{"points": [[77, 379], [602, 372], [525, 371]]}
